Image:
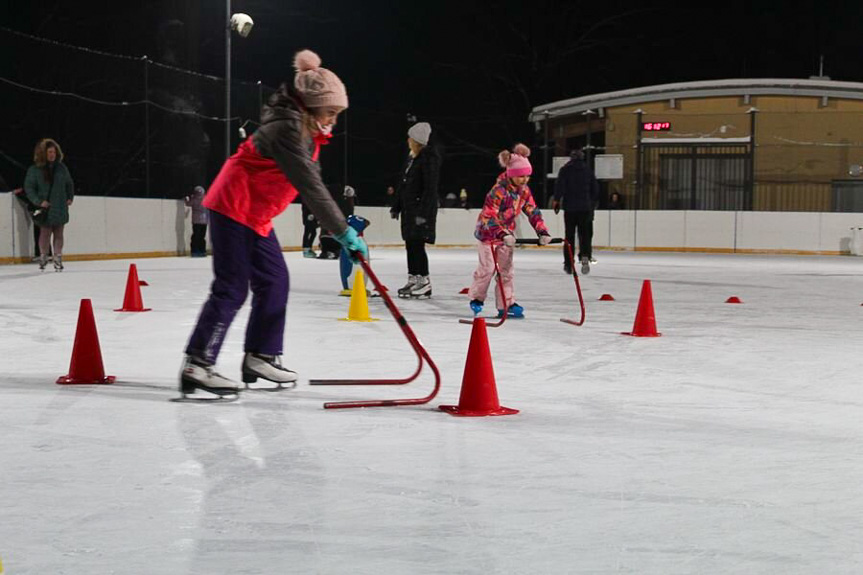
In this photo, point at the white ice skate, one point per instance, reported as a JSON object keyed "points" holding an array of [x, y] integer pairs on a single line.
{"points": [[269, 367], [197, 374], [422, 289], [405, 291]]}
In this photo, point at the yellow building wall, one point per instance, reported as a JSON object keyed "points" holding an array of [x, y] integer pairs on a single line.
{"points": [[801, 145]]}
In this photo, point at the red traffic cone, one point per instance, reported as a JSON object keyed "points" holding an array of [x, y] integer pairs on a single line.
{"points": [[645, 317], [606, 297], [478, 389], [86, 366], [132, 301], [733, 299], [464, 290]]}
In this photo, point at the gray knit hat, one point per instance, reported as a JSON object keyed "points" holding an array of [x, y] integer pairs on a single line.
{"points": [[317, 86], [420, 133]]}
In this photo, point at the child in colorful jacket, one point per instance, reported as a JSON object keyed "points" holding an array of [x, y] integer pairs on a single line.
{"points": [[495, 229]]}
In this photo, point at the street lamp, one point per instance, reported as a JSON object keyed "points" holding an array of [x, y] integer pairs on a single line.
{"points": [[242, 23]]}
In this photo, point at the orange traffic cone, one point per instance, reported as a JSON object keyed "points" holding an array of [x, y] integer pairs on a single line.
{"points": [[606, 297], [478, 390], [132, 301], [645, 317], [733, 299], [86, 366]]}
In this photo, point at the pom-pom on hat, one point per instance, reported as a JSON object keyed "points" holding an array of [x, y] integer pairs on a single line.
{"points": [[420, 133], [318, 87], [516, 162]]}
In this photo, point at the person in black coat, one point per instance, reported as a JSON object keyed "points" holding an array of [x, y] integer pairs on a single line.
{"points": [[576, 190], [310, 231], [416, 202]]}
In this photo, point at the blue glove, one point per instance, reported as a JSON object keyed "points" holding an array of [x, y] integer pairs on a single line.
{"points": [[352, 242]]}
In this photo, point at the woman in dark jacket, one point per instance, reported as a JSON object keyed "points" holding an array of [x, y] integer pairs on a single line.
{"points": [[49, 185], [416, 201]]}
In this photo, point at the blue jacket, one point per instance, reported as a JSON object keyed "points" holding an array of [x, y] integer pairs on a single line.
{"points": [[577, 187]]}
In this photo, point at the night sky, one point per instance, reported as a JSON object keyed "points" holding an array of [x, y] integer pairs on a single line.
{"points": [[471, 69]]}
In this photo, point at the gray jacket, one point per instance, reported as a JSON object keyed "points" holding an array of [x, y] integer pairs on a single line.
{"points": [[280, 137]]}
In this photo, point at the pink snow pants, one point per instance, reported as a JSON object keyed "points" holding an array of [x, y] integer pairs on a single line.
{"points": [[484, 274]]}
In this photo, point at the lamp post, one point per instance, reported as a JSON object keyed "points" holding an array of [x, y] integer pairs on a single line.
{"points": [[242, 23]]}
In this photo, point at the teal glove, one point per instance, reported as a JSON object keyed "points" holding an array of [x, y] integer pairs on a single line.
{"points": [[352, 242]]}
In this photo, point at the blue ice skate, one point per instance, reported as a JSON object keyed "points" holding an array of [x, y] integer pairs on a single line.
{"points": [[515, 312], [476, 306]]}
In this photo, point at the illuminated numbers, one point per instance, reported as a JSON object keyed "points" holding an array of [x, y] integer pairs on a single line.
{"points": [[655, 126]]}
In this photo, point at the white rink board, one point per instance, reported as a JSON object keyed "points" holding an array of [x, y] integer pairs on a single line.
{"points": [[101, 227]]}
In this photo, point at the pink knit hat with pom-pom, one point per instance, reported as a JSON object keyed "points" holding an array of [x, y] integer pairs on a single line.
{"points": [[317, 86], [516, 162]]}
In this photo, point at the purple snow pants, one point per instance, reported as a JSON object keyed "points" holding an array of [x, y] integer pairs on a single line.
{"points": [[243, 259]]}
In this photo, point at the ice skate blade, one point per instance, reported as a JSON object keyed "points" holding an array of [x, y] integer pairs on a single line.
{"points": [[189, 387], [215, 398], [222, 396], [272, 389]]}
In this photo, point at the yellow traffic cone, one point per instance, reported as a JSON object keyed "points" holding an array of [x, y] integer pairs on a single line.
{"points": [[359, 306]]}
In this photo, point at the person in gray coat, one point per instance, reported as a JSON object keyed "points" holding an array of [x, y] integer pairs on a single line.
{"points": [[576, 191], [199, 222]]}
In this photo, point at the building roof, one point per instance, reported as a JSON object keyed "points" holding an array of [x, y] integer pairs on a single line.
{"points": [[817, 87]]}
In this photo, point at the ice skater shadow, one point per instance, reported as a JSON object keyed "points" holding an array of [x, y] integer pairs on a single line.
{"points": [[258, 478]]}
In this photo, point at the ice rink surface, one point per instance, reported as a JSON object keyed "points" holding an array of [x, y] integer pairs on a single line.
{"points": [[731, 444]]}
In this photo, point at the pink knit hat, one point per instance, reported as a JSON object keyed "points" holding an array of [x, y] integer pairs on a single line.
{"points": [[317, 86], [516, 162]]}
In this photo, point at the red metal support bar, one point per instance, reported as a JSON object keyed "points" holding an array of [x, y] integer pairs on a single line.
{"points": [[422, 355], [502, 293], [534, 241], [577, 289]]}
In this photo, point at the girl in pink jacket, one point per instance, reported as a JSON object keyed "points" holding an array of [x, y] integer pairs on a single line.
{"points": [[495, 230]]}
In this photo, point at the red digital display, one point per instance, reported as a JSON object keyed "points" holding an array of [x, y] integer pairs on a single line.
{"points": [[656, 126]]}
